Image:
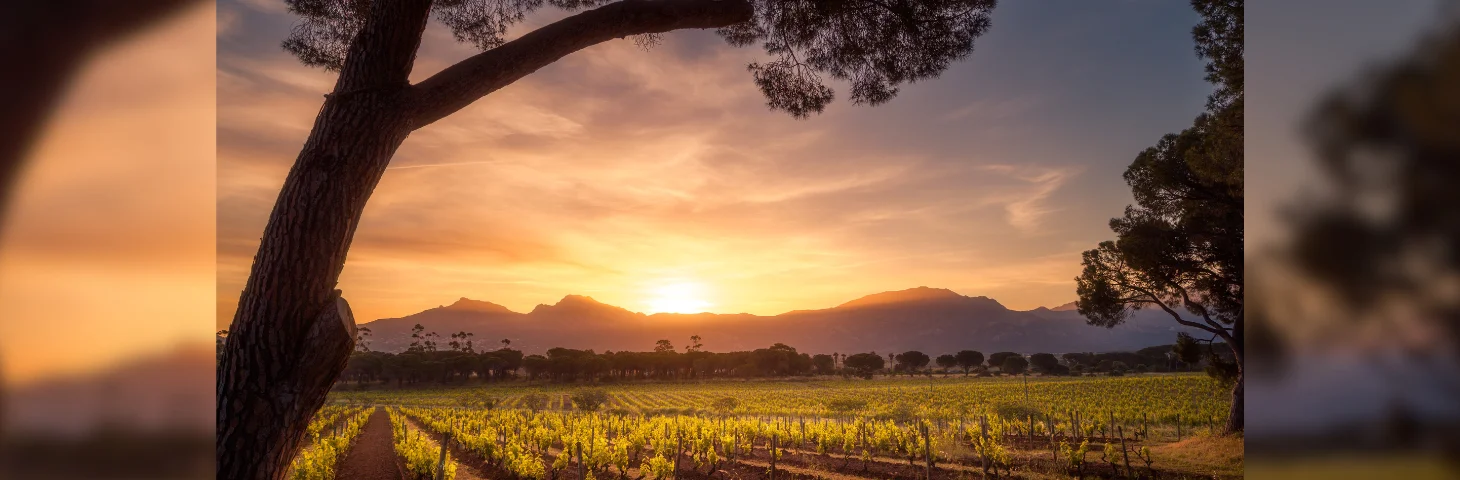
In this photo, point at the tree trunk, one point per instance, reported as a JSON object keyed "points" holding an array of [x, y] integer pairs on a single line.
{"points": [[1234, 416], [293, 333], [1235, 420]]}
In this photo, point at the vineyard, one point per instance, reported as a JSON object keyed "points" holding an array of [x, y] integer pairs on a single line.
{"points": [[936, 428], [1163, 401]]}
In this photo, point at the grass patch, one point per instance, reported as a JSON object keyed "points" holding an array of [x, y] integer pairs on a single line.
{"points": [[1351, 466], [1210, 456]]}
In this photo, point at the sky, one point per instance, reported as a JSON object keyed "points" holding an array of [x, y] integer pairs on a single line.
{"points": [[657, 180], [107, 252]]}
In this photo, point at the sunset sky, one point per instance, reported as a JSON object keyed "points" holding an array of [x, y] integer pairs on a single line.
{"points": [[107, 252], [658, 180]]}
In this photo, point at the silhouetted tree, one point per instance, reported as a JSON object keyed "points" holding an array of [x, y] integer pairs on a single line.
{"points": [[1387, 139], [416, 339], [290, 309], [1043, 362], [969, 359], [1013, 365], [946, 361], [912, 361], [694, 344], [663, 346], [997, 359], [1181, 245], [823, 363], [461, 342], [535, 365], [865, 364], [362, 339]]}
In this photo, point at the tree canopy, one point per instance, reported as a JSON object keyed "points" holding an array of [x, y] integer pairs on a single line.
{"points": [[997, 359], [1180, 246], [864, 363], [968, 359], [912, 361], [873, 46], [1013, 365]]}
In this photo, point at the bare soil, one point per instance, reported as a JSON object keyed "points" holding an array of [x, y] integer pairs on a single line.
{"points": [[373, 456]]}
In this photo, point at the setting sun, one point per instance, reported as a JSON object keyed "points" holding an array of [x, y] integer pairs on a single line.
{"points": [[678, 297]]}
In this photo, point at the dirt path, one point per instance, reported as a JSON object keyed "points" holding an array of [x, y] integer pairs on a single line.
{"points": [[373, 456]]}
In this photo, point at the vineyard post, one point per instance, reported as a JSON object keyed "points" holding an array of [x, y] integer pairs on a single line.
{"points": [[1111, 425], [1049, 422], [678, 451], [1178, 427], [578, 450], [1049, 426], [441, 463], [1031, 427], [928, 450], [1145, 429], [983, 457], [1123, 452], [1071, 414], [775, 440]]}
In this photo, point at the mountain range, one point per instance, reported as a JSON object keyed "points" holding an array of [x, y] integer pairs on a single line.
{"points": [[931, 320]]}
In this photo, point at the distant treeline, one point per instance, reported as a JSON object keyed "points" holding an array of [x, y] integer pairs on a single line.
{"points": [[461, 362]]}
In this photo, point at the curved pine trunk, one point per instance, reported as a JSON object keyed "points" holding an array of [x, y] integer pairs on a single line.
{"points": [[1235, 413], [293, 333], [1235, 420]]}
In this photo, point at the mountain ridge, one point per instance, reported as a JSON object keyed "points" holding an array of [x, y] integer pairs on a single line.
{"points": [[934, 320]]}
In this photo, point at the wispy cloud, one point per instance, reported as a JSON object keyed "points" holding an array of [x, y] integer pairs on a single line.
{"points": [[994, 109], [1028, 211]]}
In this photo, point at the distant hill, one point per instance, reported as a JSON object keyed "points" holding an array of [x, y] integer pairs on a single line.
{"points": [[932, 320], [169, 391]]}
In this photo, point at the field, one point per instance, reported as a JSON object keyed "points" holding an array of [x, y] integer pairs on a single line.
{"points": [[939, 427]]}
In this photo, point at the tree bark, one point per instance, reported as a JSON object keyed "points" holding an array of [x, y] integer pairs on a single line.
{"points": [[1235, 418], [293, 332]]}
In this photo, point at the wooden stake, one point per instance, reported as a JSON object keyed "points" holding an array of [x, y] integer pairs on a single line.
{"points": [[775, 441], [928, 450], [678, 449], [441, 464], [1123, 452], [983, 426]]}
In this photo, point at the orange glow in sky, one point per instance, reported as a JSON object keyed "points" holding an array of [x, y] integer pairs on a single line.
{"points": [[678, 297], [108, 252]]}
